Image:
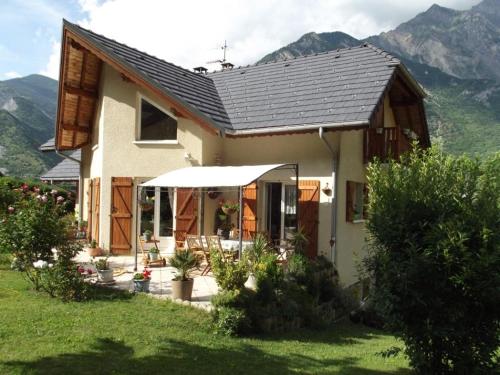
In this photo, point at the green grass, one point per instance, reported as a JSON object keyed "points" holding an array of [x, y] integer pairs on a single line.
{"points": [[120, 334]]}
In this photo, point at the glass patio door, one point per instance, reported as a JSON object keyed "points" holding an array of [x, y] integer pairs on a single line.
{"points": [[157, 205], [281, 211]]}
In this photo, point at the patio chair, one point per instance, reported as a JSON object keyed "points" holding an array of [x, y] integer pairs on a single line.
{"points": [[284, 250], [206, 252], [195, 245], [180, 240], [160, 262], [213, 242]]}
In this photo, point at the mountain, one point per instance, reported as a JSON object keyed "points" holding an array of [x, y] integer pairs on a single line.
{"points": [[465, 44], [454, 55], [27, 116]]}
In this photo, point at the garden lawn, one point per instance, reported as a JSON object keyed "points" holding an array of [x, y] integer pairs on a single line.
{"points": [[125, 334]]}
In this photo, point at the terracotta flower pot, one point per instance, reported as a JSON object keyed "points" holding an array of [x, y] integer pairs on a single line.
{"points": [[182, 289], [94, 251], [228, 210]]}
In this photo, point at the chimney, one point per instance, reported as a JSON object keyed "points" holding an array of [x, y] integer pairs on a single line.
{"points": [[200, 70], [227, 66]]}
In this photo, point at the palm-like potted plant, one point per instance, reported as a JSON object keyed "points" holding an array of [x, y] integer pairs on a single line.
{"points": [[182, 285], [299, 241], [104, 270], [141, 281]]}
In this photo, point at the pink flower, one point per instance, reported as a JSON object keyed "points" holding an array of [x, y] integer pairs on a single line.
{"points": [[36, 189], [60, 199], [80, 269], [89, 271], [11, 209], [44, 199], [25, 187], [53, 192]]}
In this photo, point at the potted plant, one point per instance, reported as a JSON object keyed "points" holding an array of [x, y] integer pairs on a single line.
{"points": [[147, 203], [148, 235], [104, 271], [213, 193], [182, 285], [299, 241], [154, 253], [141, 281], [93, 249], [229, 207]]}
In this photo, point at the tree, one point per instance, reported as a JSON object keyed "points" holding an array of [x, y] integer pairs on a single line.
{"points": [[434, 222]]}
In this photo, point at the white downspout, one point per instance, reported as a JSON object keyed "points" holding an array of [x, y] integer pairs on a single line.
{"points": [[335, 163]]}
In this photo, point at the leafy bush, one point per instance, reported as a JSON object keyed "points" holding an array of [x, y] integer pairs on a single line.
{"points": [[230, 321], [434, 221], [229, 275], [31, 228]]}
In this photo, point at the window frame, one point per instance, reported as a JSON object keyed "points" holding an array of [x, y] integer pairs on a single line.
{"points": [[138, 112], [351, 197]]}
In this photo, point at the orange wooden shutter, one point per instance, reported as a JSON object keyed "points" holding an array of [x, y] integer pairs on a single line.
{"points": [[96, 195], [186, 217], [308, 213], [349, 194], [121, 215], [89, 211], [249, 218]]}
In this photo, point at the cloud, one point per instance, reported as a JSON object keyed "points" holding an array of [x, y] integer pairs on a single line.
{"points": [[52, 68], [12, 74], [190, 32]]}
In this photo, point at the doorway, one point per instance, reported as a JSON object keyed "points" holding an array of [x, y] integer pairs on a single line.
{"points": [[281, 202]]}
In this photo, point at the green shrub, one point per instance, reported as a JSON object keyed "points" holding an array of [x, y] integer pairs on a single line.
{"points": [[435, 261], [230, 321], [229, 275]]}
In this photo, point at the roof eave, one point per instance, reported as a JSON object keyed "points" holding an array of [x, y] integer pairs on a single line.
{"points": [[119, 61], [303, 128]]}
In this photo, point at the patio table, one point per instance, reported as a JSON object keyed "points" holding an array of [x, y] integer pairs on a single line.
{"points": [[233, 245]]}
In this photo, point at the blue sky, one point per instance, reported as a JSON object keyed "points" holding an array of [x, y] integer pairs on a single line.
{"points": [[28, 29], [189, 32]]}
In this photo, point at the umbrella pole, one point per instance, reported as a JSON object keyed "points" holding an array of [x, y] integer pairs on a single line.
{"points": [[240, 249]]}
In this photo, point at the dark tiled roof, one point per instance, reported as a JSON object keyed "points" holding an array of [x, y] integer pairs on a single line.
{"points": [[196, 90], [66, 170], [50, 145], [336, 87]]}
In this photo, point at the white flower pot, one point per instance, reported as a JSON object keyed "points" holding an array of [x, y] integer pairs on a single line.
{"points": [[106, 276]]}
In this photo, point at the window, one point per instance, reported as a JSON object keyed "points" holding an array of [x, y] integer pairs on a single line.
{"points": [[156, 207], [156, 125], [356, 198]]}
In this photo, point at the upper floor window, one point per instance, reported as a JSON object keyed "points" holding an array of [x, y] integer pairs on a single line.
{"points": [[155, 124], [356, 200]]}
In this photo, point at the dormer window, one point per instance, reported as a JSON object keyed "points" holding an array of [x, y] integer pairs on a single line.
{"points": [[156, 124]]}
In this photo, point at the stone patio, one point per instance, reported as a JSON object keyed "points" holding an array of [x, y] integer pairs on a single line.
{"points": [[160, 286]]}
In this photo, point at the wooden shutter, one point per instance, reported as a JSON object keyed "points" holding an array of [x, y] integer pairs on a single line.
{"points": [[89, 210], [308, 213], [96, 204], [249, 217], [186, 217], [121, 215], [350, 196]]}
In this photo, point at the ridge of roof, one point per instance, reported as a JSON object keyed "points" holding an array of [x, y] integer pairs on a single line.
{"points": [[392, 59]]}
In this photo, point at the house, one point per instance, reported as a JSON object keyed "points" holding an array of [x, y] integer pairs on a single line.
{"points": [[135, 117]]}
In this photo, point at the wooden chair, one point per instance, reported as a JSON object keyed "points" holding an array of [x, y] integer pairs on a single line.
{"points": [[195, 245], [213, 242], [284, 250], [180, 240], [160, 262]]}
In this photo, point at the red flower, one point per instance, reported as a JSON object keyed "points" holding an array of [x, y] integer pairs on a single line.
{"points": [[25, 187], [146, 273], [89, 271], [80, 269]]}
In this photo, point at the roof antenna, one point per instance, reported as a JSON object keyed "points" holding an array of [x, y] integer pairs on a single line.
{"points": [[226, 65]]}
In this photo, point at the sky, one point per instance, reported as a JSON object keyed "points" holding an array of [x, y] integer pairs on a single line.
{"points": [[190, 33]]}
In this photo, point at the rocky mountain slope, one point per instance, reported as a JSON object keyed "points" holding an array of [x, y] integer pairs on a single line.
{"points": [[27, 111], [455, 55]]}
